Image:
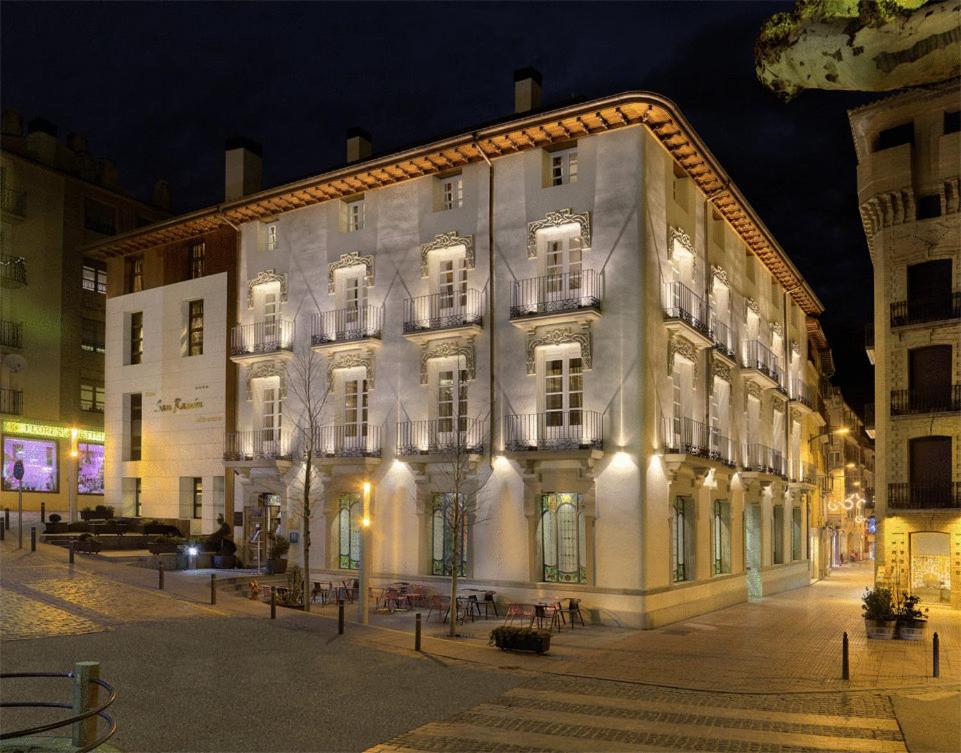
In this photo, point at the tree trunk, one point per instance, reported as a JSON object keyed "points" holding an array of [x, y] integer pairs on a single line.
{"points": [[306, 518], [454, 566]]}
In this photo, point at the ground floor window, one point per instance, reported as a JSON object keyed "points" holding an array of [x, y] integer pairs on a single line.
{"points": [[89, 468], [349, 512], [448, 523], [39, 458], [796, 533], [722, 536], [777, 534], [563, 538], [682, 539]]}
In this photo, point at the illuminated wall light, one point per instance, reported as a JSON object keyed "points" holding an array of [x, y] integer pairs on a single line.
{"points": [[367, 487], [501, 463], [366, 522], [622, 461]]}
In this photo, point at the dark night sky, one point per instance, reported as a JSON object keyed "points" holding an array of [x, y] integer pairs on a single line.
{"points": [[158, 87]]}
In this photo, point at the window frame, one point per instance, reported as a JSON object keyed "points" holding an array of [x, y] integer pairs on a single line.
{"points": [[135, 423], [355, 214], [551, 539], [562, 167], [96, 280], [349, 514], [440, 503], [195, 326], [196, 260], [135, 349], [197, 498]]}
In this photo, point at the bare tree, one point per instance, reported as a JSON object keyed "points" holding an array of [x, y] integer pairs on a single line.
{"points": [[304, 377]]}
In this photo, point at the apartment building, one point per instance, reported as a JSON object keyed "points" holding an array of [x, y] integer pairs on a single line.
{"points": [[578, 307], [56, 197], [909, 152]]}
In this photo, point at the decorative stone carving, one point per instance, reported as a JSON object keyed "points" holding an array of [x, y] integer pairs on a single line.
{"points": [[556, 219], [559, 336], [777, 329], [346, 261], [721, 370], [680, 346], [263, 370], [446, 348], [350, 359], [778, 405], [753, 389], [719, 274], [752, 305], [682, 238], [795, 347], [267, 276], [795, 415], [447, 240]]}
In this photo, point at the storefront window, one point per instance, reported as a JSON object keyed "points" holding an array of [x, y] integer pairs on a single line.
{"points": [[90, 468], [39, 458]]}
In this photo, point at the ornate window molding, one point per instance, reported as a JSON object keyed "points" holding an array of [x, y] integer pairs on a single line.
{"points": [[719, 274], [447, 240], [263, 370], [795, 347], [559, 336], [752, 305], [346, 261], [795, 415], [684, 348], [682, 238], [557, 219], [350, 359], [267, 276], [721, 370], [777, 329], [753, 389], [446, 348]]}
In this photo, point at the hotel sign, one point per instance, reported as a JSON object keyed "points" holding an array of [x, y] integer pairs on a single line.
{"points": [[178, 405], [51, 431]]}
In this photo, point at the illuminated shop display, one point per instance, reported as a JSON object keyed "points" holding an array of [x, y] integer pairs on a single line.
{"points": [[90, 468], [39, 458]]}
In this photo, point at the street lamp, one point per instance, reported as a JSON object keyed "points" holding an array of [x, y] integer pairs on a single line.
{"points": [[363, 607]]}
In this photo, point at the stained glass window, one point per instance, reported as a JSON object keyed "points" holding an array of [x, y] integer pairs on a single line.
{"points": [[442, 534], [563, 538], [349, 515]]}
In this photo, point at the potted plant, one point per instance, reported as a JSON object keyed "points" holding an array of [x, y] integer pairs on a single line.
{"points": [[510, 638], [53, 524], [86, 543], [275, 563], [880, 620], [86, 513], [911, 620]]}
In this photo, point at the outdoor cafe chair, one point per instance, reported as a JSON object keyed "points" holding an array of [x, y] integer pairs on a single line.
{"points": [[549, 614], [320, 591], [521, 612], [573, 611], [440, 604]]}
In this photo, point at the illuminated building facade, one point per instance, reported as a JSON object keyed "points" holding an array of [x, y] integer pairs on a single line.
{"points": [[56, 197], [909, 151]]}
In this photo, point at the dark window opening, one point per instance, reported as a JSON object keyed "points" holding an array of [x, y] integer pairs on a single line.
{"points": [[197, 257], [136, 337], [195, 335], [99, 217], [136, 426], [928, 206], [133, 274], [952, 121], [896, 136]]}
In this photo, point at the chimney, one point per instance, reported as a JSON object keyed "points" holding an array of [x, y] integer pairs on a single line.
{"points": [[527, 90], [161, 195], [77, 143], [12, 123], [358, 144], [244, 166], [42, 140]]}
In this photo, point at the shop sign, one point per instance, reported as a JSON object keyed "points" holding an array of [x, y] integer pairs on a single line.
{"points": [[51, 431]]}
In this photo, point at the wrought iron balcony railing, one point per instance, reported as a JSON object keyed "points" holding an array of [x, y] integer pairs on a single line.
{"points": [[809, 473], [921, 310], [15, 202], [11, 334], [683, 304], [723, 336], [924, 496], [258, 444], [759, 356], [11, 401], [764, 459], [345, 325], [441, 436], [571, 291], [13, 271], [689, 437], [443, 311], [554, 430], [803, 392], [358, 440], [946, 399], [262, 338]]}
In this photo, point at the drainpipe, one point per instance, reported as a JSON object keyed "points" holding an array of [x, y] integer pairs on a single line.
{"points": [[491, 267]]}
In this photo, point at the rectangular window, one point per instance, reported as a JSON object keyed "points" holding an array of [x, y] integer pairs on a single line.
{"points": [[777, 534], [92, 336], [271, 413], [563, 392], [136, 337], [197, 498], [895, 136], [270, 237], [452, 284], [928, 206], [355, 300], [452, 401], [89, 468], [563, 538], [99, 217], [39, 458], [355, 408], [448, 524], [135, 422], [796, 533], [348, 529], [353, 210], [450, 192], [952, 122], [682, 527], [94, 276], [137, 498], [133, 274], [722, 537], [562, 167], [197, 260], [564, 258], [195, 333], [92, 398]]}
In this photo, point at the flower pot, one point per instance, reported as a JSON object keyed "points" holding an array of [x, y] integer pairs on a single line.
{"points": [[518, 639], [912, 630], [880, 629]]}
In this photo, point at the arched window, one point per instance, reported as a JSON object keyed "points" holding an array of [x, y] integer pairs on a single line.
{"points": [[348, 528], [563, 538], [446, 521]]}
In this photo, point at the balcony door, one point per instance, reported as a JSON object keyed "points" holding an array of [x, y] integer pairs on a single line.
{"points": [[563, 401], [451, 407], [929, 287], [929, 378], [564, 266], [269, 316], [451, 287], [930, 471], [355, 305], [271, 421], [355, 415]]}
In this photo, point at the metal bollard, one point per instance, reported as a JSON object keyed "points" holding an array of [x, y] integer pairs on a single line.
{"points": [[213, 588], [160, 575], [340, 616], [3, 530], [43, 512], [84, 699], [845, 670], [71, 552], [936, 656], [33, 539], [6, 517], [417, 632], [273, 603]]}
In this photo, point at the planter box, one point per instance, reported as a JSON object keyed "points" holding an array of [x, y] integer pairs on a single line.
{"points": [[880, 629], [521, 639], [88, 547], [276, 567], [57, 528], [913, 631], [163, 548]]}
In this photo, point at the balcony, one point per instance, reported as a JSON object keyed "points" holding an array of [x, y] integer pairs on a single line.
{"points": [[761, 365], [923, 310], [347, 442], [252, 341], [685, 436], [442, 437], [13, 271], [803, 395], [258, 445], [349, 326], [556, 297], [14, 203], [11, 334], [554, 431], [913, 402], [443, 312], [869, 419], [924, 496], [809, 474], [869, 341], [686, 313], [11, 401], [725, 343], [762, 459]]}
